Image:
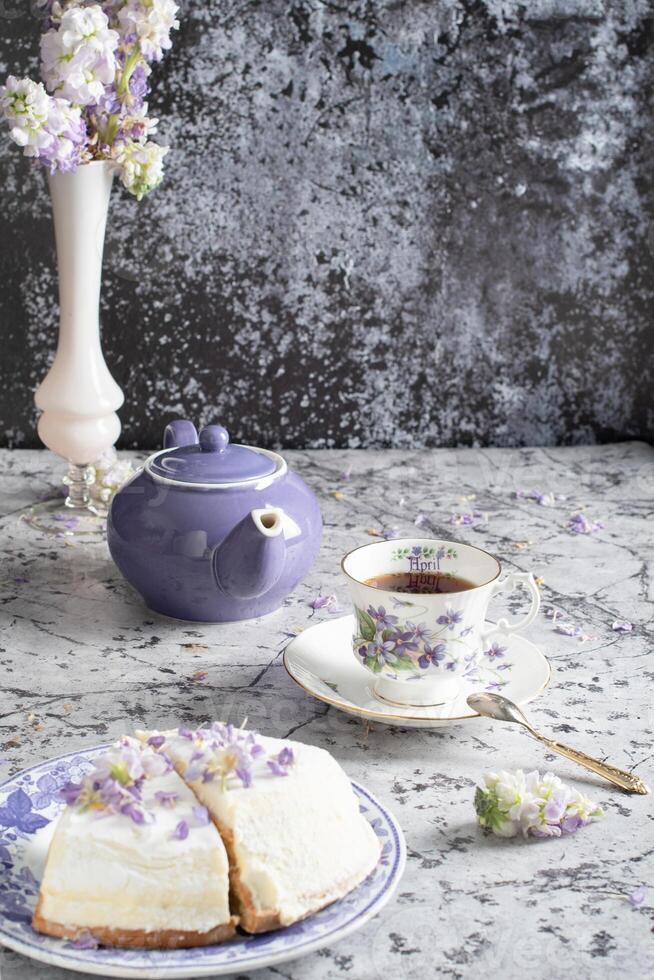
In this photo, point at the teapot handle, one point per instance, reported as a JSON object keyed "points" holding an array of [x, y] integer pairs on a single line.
{"points": [[179, 433]]}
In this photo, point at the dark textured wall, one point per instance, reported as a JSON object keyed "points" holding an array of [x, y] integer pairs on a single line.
{"points": [[409, 223]]}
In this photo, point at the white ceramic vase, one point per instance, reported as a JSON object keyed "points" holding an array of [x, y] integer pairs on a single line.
{"points": [[78, 398]]}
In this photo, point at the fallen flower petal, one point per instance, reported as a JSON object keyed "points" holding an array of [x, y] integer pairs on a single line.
{"points": [[85, 941], [181, 831], [568, 629], [622, 627], [387, 533], [579, 524], [328, 602], [544, 499], [637, 896], [469, 518]]}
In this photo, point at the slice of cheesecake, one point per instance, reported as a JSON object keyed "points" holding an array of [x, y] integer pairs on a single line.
{"points": [[287, 814], [135, 859]]}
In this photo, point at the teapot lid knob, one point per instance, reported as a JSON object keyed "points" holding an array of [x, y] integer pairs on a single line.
{"points": [[214, 439]]}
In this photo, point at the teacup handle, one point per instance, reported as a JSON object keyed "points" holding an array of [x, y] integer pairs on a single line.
{"points": [[512, 580]]}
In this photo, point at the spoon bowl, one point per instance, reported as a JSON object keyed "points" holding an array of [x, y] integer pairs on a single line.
{"points": [[498, 707]]}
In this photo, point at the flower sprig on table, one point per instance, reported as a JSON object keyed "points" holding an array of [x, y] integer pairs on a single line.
{"points": [[91, 105], [510, 803]]}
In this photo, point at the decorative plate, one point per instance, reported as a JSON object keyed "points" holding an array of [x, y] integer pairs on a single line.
{"points": [[321, 661], [28, 810]]}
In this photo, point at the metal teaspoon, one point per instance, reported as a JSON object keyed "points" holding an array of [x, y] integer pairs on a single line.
{"points": [[496, 706]]}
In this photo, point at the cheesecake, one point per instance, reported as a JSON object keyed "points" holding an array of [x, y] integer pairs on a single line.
{"points": [[287, 815], [135, 859]]}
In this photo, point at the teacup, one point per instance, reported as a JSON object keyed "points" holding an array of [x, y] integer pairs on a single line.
{"points": [[420, 646]]}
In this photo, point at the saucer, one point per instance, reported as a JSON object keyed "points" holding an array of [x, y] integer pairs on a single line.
{"points": [[321, 661]]}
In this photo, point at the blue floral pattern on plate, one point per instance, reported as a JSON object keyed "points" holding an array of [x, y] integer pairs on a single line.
{"points": [[28, 805]]}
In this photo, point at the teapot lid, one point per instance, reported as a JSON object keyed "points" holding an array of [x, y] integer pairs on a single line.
{"points": [[209, 458]]}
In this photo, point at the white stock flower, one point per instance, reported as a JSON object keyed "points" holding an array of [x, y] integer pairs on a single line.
{"points": [[26, 105], [150, 22], [509, 803], [141, 165], [47, 128], [77, 56], [111, 473]]}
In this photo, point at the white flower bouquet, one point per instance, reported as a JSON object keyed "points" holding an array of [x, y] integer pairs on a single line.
{"points": [[91, 105], [512, 803]]}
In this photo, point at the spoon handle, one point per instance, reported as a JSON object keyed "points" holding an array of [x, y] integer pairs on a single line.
{"points": [[627, 781]]}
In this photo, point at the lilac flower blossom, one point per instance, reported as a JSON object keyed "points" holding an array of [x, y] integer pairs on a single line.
{"points": [[622, 626], [115, 784], [225, 753]]}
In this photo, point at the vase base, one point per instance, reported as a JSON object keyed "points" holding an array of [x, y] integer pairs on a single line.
{"points": [[56, 518]]}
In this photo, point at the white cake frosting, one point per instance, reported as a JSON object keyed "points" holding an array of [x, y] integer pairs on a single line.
{"points": [[106, 870], [296, 833]]}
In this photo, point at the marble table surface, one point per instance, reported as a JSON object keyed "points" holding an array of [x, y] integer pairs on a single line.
{"points": [[83, 661]]}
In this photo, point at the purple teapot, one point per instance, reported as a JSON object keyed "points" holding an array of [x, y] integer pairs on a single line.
{"points": [[210, 531]]}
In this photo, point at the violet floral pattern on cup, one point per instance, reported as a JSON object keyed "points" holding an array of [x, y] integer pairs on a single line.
{"points": [[401, 649]]}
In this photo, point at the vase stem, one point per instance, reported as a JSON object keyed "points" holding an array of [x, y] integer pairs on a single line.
{"points": [[79, 479]]}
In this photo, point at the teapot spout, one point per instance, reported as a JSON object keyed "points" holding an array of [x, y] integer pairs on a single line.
{"points": [[251, 559]]}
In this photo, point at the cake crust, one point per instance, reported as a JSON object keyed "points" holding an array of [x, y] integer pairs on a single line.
{"points": [[136, 938], [249, 918]]}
